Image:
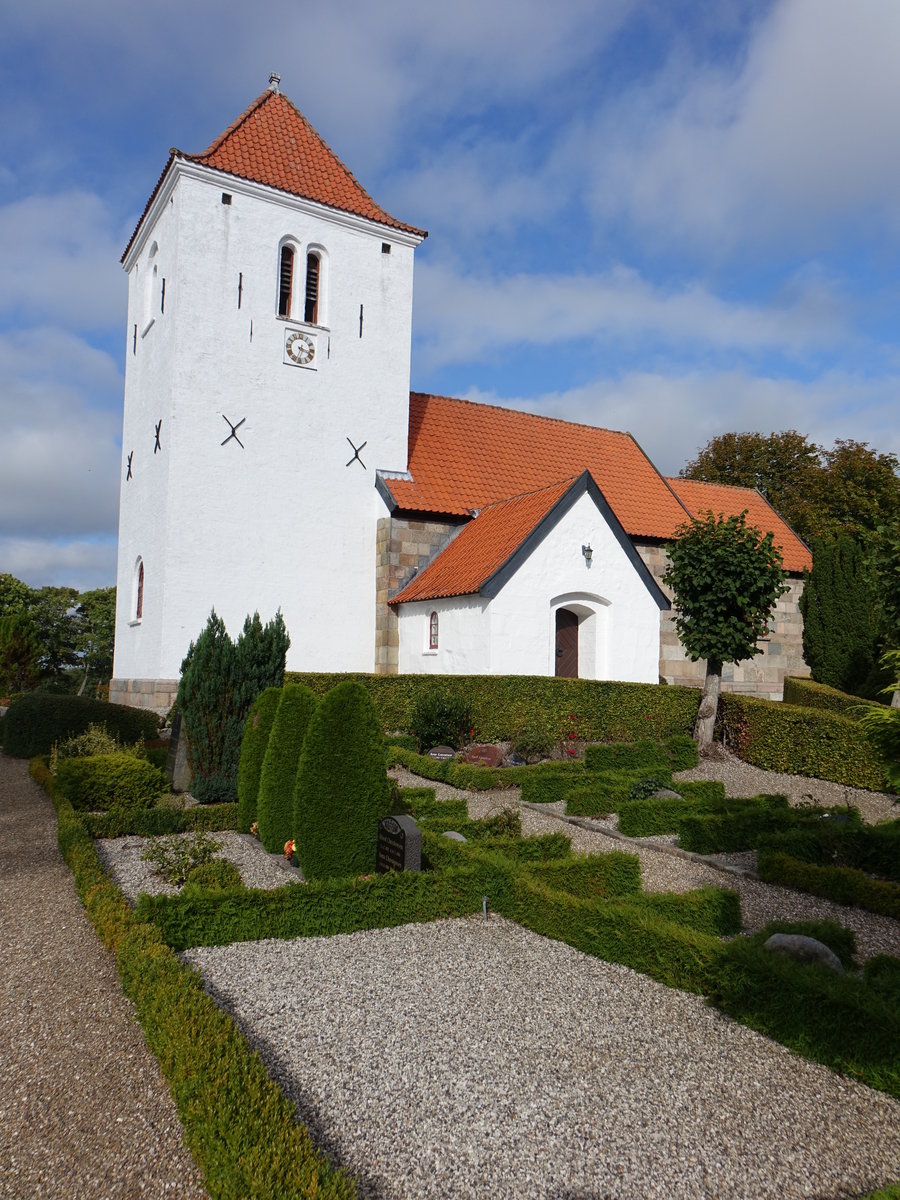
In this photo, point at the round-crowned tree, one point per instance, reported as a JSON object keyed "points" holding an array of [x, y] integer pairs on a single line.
{"points": [[275, 801], [254, 741], [342, 788], [726, 576]]}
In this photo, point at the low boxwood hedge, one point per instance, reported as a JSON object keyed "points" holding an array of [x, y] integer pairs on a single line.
{"points": [[843, 885], [239, 1126], [645, 754], [607, 791], [874, 849], [98, 781], [36, 720], [155, 822], [595, 877], [800, 741], [833, 1018], [663, 814]]}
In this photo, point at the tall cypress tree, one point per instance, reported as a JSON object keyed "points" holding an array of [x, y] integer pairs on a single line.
{"points": [[838, 620]]}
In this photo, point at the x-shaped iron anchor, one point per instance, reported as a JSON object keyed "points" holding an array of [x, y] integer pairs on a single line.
{"points": [[356, 450], [234, 429], [158, 445], [130, 457]]}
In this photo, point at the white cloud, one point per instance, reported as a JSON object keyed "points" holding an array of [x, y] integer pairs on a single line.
{"points": [[59, 452], [82, 564], [60, 257], [672, 416], [800, 136], [459, 318]]}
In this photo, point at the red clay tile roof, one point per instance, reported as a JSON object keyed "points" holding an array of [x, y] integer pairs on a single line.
{"points": [[272, 143], [464, 456], [722, 499], [482, 547]]}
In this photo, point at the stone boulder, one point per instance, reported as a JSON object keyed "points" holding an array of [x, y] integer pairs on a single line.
{"points": [[803, 949]]}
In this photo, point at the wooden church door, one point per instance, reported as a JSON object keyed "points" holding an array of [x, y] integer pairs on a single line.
{"points": [[566, 643]]}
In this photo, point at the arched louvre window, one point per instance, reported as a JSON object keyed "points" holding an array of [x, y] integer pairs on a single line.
{"points": [[285, 280], [311, 308], [139, 606], [433, 632]]}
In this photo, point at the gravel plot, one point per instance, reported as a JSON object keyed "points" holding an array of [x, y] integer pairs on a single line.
{"points": [[259, 869], [84, 1109], [467, 1058], [666, 872]]}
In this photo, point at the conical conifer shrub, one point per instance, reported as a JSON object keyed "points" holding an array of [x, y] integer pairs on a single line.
{"points": [[342, 788], [275, 801], [255, 739]]}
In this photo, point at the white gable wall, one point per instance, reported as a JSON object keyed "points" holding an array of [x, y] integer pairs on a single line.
{"points": [[514, 633], [284, 521]]}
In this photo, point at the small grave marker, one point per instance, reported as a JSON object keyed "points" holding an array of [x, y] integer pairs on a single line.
{"points": [[442, 753], [484, 756], [399, 845]]}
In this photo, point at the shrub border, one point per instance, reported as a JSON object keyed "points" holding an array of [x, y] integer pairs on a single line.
{"points": [[239, 1126]]}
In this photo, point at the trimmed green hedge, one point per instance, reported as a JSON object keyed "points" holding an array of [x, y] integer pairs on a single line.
{"points": [[805, 693], [843, 885], [155, 822], [627, 756], [38, 719], [800, 741], [712, 910], [874, 849], [596, 877], [608, 791], [645, 818], [502, 704], [832, 1018], [319, 909], [254, 742], [239, 1126], [342, 788], [99, 781]]}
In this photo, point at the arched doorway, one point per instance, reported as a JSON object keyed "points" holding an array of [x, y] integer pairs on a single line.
{"points": [[566, 643]]}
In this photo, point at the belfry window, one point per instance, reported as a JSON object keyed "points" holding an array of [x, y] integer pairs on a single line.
{"points": [[285, 281], [433, 632], [311, 308]]}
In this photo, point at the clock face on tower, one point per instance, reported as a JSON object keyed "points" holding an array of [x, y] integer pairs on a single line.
{"points": [[299, 348]]}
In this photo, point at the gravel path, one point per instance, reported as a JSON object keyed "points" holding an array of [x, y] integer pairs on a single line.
{"points": [[666, 872], [466, 1058], [84, 1110]]}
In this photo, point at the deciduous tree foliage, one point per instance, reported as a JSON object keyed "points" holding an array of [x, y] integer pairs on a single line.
{"points": [[821, 493], [726, 576], [838, 618], [19, 652]]}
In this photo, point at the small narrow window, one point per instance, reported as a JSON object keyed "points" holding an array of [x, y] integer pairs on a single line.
{"points": [[226, 197], [385, 247], [433, 632], [139, 606], [311, 312], [285, 277]]}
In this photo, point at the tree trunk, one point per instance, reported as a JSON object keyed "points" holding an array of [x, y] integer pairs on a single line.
{"points": [[709, 706]]}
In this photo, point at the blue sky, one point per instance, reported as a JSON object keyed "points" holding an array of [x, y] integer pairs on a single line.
{"points": [[668, 217]]}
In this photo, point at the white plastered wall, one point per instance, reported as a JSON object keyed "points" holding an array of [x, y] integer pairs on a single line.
{"points": [[514, 633], [282, 521]]}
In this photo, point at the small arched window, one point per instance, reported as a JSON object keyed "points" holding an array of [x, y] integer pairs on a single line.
{"points": [[311, 306], [433, 632], [139, 597], [285, 280]]}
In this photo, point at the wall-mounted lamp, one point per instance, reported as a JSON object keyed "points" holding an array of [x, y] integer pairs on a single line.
{"points": [[588, 553]]}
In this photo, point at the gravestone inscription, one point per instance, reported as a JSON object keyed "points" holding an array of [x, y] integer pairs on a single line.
{"points": [[484, 756], [177, 771], [399, 845]]}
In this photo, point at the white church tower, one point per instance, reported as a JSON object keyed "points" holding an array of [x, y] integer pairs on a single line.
{"points": [[267, 379]]}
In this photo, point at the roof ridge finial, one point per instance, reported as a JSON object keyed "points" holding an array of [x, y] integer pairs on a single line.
{"points": [[274, 81]]}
